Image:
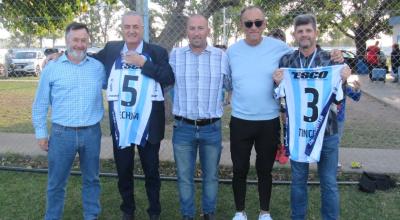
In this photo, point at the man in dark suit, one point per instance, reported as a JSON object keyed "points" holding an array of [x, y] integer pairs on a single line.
{"points": [[153, 62]]}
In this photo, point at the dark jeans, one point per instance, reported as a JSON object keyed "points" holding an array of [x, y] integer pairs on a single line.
{"points": [[264, 135], [124, 160]]}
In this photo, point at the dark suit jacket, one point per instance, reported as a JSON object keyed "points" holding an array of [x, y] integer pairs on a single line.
{"points": [[158, 69]]}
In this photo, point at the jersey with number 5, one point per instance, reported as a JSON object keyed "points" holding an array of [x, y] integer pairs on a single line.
{"points": [[131, 112], [309, 93]]}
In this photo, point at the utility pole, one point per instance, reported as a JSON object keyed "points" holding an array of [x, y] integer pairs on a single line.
{"points": [[225, 41], [142, 7]]}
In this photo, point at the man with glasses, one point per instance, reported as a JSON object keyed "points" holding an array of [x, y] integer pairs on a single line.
{"points": [[255, 112]]}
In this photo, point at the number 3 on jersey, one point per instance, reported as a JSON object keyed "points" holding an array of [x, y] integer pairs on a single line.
{"points": [[128, 89], [312, 105]]}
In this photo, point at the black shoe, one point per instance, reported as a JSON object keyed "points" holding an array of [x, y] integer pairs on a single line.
{"points": [[187, 218], [209, 216], [127, 217], [155, 217]]}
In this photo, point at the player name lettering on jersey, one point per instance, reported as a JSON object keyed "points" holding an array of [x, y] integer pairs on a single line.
{"points": [[308, 133], [130, 115]]}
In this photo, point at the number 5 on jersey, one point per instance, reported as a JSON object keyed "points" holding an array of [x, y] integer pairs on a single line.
{"points": [[131, 90]]}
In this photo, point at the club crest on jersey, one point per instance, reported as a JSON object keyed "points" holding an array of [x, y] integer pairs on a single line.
{"points": [[309, 74]]}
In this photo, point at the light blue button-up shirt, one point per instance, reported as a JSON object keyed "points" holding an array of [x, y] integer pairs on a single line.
{"points": [[72, 91]]}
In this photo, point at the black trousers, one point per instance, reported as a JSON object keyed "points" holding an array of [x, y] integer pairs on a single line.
{"points": [[149, 158], [265, 136]]}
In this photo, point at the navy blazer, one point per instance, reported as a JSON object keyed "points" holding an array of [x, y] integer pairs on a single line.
{"points": [[158, 69]]}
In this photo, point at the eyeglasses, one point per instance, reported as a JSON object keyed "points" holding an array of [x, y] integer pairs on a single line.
{"points": [[257, 23]]}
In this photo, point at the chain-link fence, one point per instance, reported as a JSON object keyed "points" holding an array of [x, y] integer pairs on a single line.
{"points": [[32, 29]]}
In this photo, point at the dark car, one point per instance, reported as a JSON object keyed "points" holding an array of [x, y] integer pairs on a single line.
{"points": [[350, 59], [49, 51]]}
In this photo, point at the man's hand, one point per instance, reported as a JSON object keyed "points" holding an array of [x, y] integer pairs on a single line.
{"points": [[43, 144], [337, 56], [356, 85], [278, 76], [133, 58], [53, 56], [346, 72]]}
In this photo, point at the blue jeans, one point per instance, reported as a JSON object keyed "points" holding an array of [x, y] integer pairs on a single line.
{"points": [[187, 139], [340, 129], [64, 143], [327, 168]]}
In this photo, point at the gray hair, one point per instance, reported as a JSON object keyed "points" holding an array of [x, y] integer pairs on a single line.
{"points": [[131, 13], [305, 19]]}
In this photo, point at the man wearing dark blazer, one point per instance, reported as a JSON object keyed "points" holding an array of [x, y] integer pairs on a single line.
{"points": [[153, 60]]}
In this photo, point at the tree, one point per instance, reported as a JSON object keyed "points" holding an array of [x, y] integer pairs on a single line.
{"points": [[231, 25], [359, 20], [174, 29], [99, 20], [37, 18]]}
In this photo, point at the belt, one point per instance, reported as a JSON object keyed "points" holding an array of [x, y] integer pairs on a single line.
{"points": [[198, 122], [76, 128]]}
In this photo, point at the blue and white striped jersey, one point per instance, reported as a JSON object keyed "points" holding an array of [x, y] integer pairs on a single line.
{"points": [[132, 94], [309, 93]]}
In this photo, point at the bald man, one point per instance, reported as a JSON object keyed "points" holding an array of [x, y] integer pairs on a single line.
{"points": [[199, 71]]}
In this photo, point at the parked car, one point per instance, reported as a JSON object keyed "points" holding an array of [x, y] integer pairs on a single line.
{"points": [[26, 62], [49, 51], [350, 59]]}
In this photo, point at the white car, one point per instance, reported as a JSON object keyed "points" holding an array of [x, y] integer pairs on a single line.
{"points": [[27, 62]]}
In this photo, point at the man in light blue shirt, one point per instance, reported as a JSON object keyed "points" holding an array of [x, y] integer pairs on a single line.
{"points": [[255, 113], [199, 71], [72, 87]]}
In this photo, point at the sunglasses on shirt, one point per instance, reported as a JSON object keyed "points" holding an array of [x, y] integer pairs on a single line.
{"points": [[257, 23]]}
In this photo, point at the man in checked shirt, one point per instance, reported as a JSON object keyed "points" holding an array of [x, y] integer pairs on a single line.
{"points": [[199, 70], [72, 87]]}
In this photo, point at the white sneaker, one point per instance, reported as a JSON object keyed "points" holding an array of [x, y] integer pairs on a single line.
{"points": [[240, 216], [264, 217]]}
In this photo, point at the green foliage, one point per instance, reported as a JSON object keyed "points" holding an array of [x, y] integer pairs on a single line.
{"points": [[37, 18], [358, 20], [232, 23], [99, 18]]}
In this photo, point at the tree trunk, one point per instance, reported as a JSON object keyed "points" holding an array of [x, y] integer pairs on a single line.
{"points": [[41, 42], [54, 40], [174, 30], [361, 42]]}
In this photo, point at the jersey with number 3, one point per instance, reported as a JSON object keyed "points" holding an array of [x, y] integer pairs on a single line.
{"points": [[309, 93]]}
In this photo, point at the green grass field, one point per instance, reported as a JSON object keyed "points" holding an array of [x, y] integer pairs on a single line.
{"points": [[23, 197]]}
